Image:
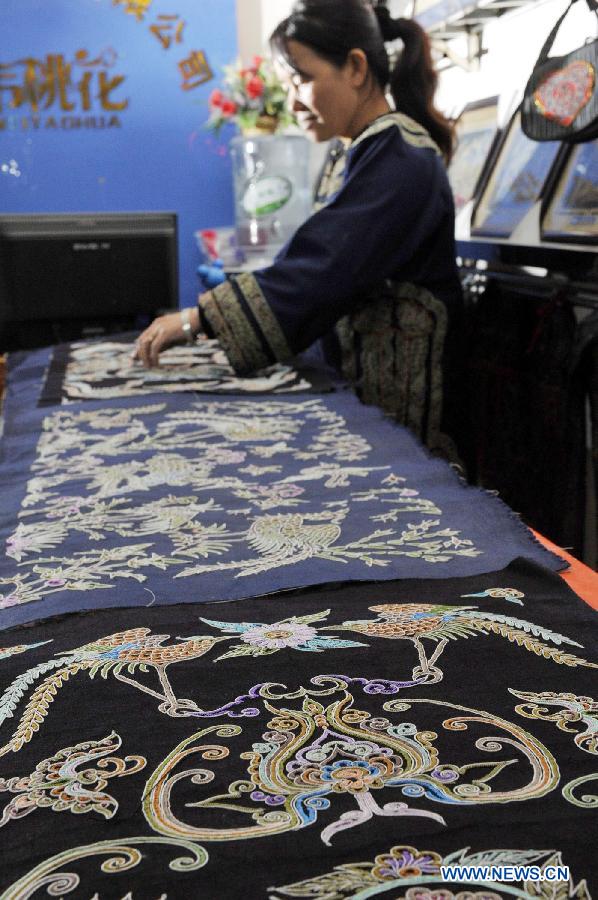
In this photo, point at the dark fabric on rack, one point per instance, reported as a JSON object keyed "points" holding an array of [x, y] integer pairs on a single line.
{"points": [[241, 748], [585, 363], [528, 410], [592, 365]]}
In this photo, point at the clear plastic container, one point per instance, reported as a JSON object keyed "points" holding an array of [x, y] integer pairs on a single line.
{"points": [[272, 191]]}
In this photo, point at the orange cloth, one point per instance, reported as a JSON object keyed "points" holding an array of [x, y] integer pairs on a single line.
{"points": [[580, 578]]}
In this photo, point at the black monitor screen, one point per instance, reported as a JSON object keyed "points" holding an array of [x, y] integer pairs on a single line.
{"points": [[61, 271]]}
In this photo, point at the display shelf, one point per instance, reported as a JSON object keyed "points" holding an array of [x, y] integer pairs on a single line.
{"points": [[524, 248]]}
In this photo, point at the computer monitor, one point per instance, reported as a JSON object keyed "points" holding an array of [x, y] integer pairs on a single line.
{"points": [[65, 275]]}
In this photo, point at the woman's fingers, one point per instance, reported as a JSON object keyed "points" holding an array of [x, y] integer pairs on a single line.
{"points": [[144, 347], [159, 335], [156, 345]]}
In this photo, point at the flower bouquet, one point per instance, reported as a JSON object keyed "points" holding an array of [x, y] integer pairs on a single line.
{"points": [[252, 98]]}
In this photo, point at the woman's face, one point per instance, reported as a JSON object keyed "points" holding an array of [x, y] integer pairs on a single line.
{"points": [[324, 98]]}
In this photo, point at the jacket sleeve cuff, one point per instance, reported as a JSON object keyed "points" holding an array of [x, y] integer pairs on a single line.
{"points": [[239, 316]]}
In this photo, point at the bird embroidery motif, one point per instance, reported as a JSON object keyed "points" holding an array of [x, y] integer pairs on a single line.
{"points": [[281, 540], [416, 622], [134, 649]]}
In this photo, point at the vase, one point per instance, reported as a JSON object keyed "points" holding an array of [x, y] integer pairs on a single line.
{"points": [[272, 192], [264, 125]]}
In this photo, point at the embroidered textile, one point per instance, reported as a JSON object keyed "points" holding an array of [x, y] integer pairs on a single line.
{"points": [[346, 741], [105, 371], [189, 500], [237, 312], [392, 353]]}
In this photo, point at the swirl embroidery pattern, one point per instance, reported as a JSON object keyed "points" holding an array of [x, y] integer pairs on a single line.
{"points": [[233, 739], [66, 781], [315, 752], [137, 651], [572, 711]]}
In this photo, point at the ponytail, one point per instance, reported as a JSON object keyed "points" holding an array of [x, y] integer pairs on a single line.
{"points": [[414, 80], [332, 28]]}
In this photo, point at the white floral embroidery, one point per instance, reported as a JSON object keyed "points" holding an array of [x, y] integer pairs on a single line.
{"points": [[208, 512], [106, 370]]}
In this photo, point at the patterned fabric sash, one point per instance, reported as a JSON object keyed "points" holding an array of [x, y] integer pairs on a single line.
{"points": [[392, 352]]}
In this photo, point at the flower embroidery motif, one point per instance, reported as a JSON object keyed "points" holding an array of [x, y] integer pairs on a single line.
{"points": [[443, 894], [403, 865], [293, 633], [405, 862], [277, 636], [354, 776], [512, 595], [313, 752]]}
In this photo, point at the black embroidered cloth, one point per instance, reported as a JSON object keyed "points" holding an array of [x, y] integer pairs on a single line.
{"points": [[327, 743]]}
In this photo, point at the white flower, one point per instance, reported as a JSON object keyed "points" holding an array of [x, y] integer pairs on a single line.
{"points": [[279, 635]]}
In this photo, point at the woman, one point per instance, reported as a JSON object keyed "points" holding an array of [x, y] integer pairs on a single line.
{"points": [[373, 269]]}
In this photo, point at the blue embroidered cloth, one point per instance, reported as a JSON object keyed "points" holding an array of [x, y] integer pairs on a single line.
{"points": [[179, 499]]}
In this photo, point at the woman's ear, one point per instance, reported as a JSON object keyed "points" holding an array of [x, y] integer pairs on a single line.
{"points": [[357, 67]]}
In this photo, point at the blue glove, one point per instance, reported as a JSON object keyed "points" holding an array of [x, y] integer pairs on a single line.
{"points": [[211, 276]]}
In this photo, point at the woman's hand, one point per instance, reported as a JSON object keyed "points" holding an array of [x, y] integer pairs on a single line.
{"points": [[161, 334]]}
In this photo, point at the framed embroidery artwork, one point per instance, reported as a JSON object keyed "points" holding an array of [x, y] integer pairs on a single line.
{"points": [[513, 183], [476, 133], [570, 211]]}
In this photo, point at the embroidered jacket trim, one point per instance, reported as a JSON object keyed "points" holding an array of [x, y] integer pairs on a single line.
{"points": [[392, 353], [411, 131], [223, 310], [241, 319], [265, 318]]}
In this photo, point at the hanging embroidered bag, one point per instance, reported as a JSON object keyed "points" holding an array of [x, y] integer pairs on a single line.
{"points": [[560, 102]]}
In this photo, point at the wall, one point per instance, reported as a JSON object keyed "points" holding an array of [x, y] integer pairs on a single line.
{"points": [[114, 120]]}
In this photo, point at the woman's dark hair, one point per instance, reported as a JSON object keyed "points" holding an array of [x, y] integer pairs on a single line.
{"points": [[331, 28]]}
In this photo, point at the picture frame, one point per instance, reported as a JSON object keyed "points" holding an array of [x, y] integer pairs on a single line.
{"points": [[513, 181], [477, 133], [570, 206]]}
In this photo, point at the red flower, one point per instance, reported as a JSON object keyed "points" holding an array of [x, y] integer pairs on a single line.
{"points": [[254, 87], [228, 108], [257, 61], [216, 99]]}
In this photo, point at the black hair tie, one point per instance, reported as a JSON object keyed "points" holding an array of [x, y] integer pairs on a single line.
{"points": [[391, 28]]}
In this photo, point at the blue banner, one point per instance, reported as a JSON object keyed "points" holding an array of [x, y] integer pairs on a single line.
{"points": [[103, 105]]}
